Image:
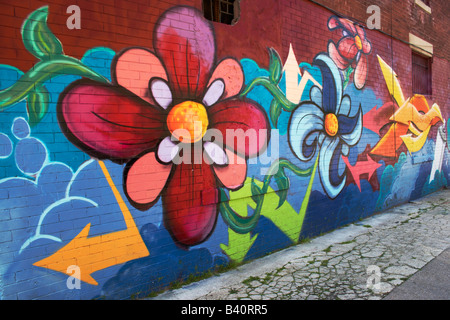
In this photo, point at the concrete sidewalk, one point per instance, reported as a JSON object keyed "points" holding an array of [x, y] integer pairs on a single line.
{"points": [[402, 253]]}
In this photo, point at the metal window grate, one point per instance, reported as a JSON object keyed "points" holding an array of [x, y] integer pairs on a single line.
{"points": [[219, 10]]}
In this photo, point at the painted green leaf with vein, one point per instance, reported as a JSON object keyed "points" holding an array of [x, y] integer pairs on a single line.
{"points": [[43, 44], [38, 38], [37, 105], [282, 182], [275, 66]]}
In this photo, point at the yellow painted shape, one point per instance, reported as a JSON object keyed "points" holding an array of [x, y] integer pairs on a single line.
{"points": [[188, 117], [392, 82], [99, 252], [331, 124], [414, 144], [408, 113]]}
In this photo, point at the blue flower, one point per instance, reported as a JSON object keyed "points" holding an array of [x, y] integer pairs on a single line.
{"points": [[327, 122]]}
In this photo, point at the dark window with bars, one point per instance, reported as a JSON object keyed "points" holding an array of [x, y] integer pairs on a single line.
{"points": [[219, 10], [421, 74]]}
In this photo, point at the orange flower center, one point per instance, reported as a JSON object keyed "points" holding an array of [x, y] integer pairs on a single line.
{"points": [[358, 42], [188, 121], [331, 124]]}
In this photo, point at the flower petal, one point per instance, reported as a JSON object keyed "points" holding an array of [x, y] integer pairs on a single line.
{"points": [[345, 106], [215, 153], [360, 74], [107, 122], [243, 124], [336, 22], [231, 73], [306, 122], [350, 128], [329, 156], [144, 180], [167, 150], [347, 48], [331, 83], [316, 95], [214, 92], [161, 92], [340, 61], [366, 45], [190, 203], [187, 48], [134, 68], [232, 175]]}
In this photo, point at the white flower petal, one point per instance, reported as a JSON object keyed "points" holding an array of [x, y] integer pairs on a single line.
{"points": [[316, 95], [307, 122], [161, 92], [216, 153], [167, 150], [353, 137], [332, 185], [345, 106], [214, 92]]}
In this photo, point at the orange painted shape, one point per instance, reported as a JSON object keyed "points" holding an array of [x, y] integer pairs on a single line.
{"points": [[391, 141], [92, 254], [331, 124], [358, 42], [146, 178], [420, 102], [409, 113], [188, 117]]}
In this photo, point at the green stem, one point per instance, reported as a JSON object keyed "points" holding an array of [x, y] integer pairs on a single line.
{"points": [[242, 225], [305, 202], [43, 71], [273, 89]]}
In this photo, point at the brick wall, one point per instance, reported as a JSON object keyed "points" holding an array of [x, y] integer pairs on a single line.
{"points": [[94, 201]]}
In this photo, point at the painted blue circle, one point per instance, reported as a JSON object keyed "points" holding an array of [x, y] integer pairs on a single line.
{"points": [[20, 128], [6, 146], [30, 155]]}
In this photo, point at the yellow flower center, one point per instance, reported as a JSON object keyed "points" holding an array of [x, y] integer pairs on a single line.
{"points": [[331, 124], [358, 42], [188, 121]]}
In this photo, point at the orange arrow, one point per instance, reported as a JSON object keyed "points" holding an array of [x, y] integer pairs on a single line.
{"points": [[99, 252]]}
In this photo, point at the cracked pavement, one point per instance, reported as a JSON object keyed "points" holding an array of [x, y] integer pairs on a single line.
{"points": [[364, 260]]}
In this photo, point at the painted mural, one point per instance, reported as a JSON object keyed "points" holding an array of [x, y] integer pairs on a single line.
{"points": [[128, 171]]}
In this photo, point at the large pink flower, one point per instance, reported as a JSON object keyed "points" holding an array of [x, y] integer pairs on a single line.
{"points": [[134, 121], [352, 49]]}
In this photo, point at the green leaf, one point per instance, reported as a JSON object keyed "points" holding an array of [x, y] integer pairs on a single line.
{"points": [[256, 191], [38, 38], [275, 66], [37, 105], [275, 111], [282, 182], [347, 75]]}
